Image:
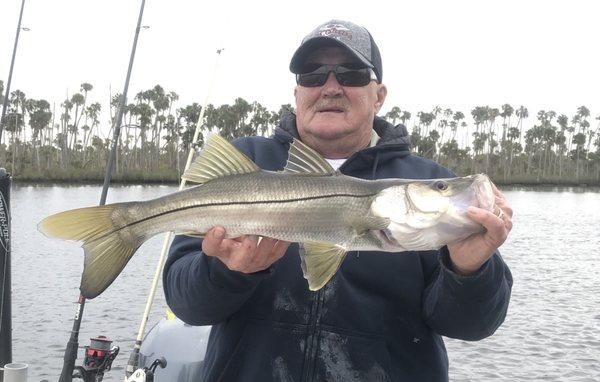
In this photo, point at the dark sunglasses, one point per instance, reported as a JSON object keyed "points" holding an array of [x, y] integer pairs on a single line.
{"points": [[346, 75]]}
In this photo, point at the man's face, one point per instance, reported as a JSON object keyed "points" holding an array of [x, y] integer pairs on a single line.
{"points": [[333, 112]]}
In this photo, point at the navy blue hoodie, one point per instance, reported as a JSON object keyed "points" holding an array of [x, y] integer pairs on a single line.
{"points": [[380, 318]]}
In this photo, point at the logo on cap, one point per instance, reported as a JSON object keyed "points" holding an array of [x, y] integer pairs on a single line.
{"points": [[337, 31]]}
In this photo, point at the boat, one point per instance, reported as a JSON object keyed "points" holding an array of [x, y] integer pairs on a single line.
{"points": [[182, 345]]}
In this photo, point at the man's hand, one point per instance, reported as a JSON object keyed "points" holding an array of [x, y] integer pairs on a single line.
{"points": [[469, 255], [246, 254]]}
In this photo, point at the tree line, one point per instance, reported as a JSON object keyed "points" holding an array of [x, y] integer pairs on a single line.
{"points": [[40, 141]]}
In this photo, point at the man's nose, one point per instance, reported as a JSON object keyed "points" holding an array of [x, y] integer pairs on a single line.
{"points": [[332, 87]]}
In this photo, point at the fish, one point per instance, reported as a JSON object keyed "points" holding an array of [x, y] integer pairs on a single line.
{"points": [[308, 202]]}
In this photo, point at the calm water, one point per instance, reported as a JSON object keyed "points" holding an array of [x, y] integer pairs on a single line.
{"points": [[552, 332]]}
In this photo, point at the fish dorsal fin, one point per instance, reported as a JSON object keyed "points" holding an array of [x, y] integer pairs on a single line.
{"points": [[304, 160], [217, 159], [320, 261]]}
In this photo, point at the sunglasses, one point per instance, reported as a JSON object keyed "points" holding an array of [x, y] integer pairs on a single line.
{"points": [[345, 74]]}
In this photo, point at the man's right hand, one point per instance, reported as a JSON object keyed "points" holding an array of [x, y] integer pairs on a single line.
{"points": [[246, 254]]}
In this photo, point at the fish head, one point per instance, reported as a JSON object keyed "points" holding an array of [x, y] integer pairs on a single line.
{"points": [[473, 190], [428, 214]]}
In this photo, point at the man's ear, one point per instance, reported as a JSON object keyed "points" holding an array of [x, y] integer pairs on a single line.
{"points": [[381, 94]]}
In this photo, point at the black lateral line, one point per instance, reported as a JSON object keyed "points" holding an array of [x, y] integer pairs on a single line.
{"points": [[234, 204]]}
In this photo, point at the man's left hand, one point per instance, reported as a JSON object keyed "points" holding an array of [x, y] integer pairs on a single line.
{"points": [[469, 255]]}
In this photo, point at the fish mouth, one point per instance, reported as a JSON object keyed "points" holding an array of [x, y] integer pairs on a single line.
{"points": [[484, 192]]}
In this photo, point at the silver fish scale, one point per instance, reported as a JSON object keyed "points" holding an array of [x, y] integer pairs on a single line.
{"points": [[290, 207]]}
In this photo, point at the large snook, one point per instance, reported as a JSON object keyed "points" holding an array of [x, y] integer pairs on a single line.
{"points": [[310, 203]]}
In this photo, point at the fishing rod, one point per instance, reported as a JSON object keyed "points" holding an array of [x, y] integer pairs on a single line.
{"points": [[5, 284], [134, 358], [5, 184], [10, 72], [66, 374]]}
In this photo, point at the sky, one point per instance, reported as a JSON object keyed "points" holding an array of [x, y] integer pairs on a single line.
{"points": [[459, 54]]}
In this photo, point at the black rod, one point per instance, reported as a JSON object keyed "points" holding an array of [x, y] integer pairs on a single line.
{"points": [[73, 344], [12, 64], [5, 283], [119, 119], [66, 374]]}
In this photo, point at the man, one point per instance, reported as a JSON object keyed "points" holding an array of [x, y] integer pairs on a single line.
{"points": [[382, 315]]}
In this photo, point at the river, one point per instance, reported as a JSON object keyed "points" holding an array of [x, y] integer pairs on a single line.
{"points": [[551, 333]]}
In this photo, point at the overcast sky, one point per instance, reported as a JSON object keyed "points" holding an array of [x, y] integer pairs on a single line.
{"points": [[458, 54]]}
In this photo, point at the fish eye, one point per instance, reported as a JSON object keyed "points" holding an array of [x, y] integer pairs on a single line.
{"points": [[441, 185]]}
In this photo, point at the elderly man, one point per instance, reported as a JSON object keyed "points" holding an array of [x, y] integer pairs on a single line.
{"points": [[382, 316]]}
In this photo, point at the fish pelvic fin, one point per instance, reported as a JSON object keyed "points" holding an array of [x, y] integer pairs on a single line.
{"points": [[107, 247], [320, 261], [304, 160], [217, 159]]}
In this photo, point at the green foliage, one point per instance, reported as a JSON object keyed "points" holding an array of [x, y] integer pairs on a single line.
{"points": [[156, 136]]}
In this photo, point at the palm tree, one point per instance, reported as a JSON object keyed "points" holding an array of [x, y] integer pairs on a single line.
{"points": [[457, 117], [418, 138], [14, 122], [522, 114], [579, 141], [548, 140], [492, 143], [240, 110], [507, 112], [78, 100], [393, 115], [91, 115], [63, 136], [260, 119], [579, 138], [161, 103], [442, 124], [85, 88], [561, 140], [480, 116], [514, 136], [405, 117], [39, 118]]}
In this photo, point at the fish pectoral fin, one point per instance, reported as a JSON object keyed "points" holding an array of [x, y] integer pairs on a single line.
{"points": [[217, 159], [320, 261], [371, 222], [304, 160]]}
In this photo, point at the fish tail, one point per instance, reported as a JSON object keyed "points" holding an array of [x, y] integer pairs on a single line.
{"points": [[108, 245]]}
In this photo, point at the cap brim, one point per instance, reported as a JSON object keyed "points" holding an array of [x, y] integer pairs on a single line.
{"points": [[308, 46]]}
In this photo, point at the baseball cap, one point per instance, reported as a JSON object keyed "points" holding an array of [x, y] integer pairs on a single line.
{"points": [[356, 39]]}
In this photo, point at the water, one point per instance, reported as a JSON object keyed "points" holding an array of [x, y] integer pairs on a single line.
{"points": [[551, 333], [46, 276]]}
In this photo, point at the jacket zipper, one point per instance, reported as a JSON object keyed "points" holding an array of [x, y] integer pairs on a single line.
{"points": [[310, 352]]}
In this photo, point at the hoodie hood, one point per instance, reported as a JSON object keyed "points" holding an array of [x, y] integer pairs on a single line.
{"points": [[388, 133], [393, 142]]}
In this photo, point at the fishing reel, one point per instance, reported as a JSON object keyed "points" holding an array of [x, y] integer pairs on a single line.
{"points": [[146, 374], [98, 359]]}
